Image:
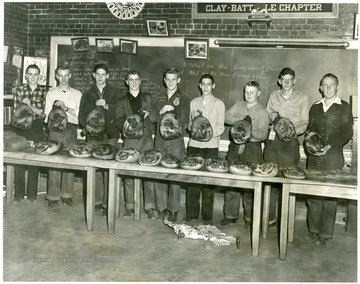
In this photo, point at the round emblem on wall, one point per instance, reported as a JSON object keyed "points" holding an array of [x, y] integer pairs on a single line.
{"points": [[125, 10]]}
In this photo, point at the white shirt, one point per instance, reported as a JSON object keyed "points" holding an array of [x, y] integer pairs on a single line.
{"points": [[71, 98], [337, 100]]}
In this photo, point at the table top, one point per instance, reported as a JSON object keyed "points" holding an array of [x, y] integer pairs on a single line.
{"points": [[62, 159]]}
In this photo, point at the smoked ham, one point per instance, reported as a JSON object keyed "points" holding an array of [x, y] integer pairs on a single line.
{"points": [[95, 122], [14, 142], [217, 165], [265, 169], [170, 127], [127, 155], [47, 147], [81, 150], [284, 128], [104, 152], [313, 143], [240, 168], [133, 127], [192, 162], [23, 117], [150, 158], [57, 120], [170, 161], [293, 173], [240, 132], [201, 129]]}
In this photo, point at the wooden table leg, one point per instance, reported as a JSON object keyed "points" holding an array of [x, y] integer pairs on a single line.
{"points": [[112, 200], [10, 176], [137, 198], [284, 220], [90, 198], [256, 219], [266, 211], [119, 190], [291, 229]]}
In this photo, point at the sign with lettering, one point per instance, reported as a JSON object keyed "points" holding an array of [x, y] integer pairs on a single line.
{"points": [[277, 10]]}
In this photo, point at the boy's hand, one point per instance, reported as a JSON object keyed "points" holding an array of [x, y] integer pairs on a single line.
{"points": [[273, 115], [166, 108]]}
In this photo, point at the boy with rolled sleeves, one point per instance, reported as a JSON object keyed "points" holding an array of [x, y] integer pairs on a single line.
{"points": [[250, 152], [293, 105], [330, 117], [213, 109], [173, 100]]}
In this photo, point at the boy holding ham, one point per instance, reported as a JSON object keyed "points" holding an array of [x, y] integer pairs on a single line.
{"points": [[249, 152]]}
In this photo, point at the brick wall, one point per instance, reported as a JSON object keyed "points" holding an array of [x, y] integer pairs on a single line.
{"points": [[33, 30]]}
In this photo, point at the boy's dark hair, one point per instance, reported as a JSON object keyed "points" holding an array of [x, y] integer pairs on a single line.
{"points": [[132, 72], [101, 66], [62, 67], [330, 75], [32, 66], [252, 84], [207, 76], [286, 71]]}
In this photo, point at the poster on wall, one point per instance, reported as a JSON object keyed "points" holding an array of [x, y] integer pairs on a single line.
{"points": [[17, 53], [42, 63]]}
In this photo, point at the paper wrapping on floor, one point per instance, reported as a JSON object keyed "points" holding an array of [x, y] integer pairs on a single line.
{"points": [[204, 232]]}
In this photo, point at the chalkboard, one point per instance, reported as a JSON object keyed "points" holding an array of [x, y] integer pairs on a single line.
{"points": [[231, 68]]}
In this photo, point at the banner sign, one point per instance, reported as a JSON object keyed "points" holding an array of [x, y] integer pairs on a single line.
{"points": [[277, 10]]}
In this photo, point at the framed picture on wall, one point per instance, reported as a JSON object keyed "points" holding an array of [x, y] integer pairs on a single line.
{"points": [[17, 56], [196, 49], [104, 45], [128, 46], [80, 44], [42, 63], [6, 53], [356, 26], [157, 27]]}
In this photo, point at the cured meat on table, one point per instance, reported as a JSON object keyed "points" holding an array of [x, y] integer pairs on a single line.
{"points": [[293, 173], [217, 165], [133, 127], [81, 150], [192, 162], [265, 169], [47, 147], [23, 117], [240, 168], [170, 161], [104, 152], [170, 127], [150, 158], [201, 129], [240, 132], [14, 142], [127, 155]]}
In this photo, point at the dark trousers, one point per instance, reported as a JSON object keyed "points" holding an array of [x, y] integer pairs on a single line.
{"points": [[321, 215], [193, 192], [35, 133], [284, 154], [32, 182], [252, 153]]}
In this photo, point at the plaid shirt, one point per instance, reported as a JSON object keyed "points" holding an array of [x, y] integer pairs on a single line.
{"points": [[37, 98]]}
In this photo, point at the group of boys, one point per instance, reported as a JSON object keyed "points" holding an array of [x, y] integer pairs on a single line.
{"points": [[331, 117]]}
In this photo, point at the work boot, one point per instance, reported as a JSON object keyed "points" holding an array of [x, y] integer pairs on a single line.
{"points": [[172, 216], [68, 201], [162, 215]]}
